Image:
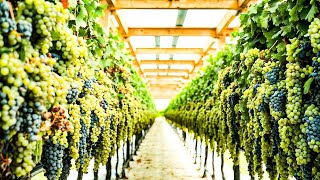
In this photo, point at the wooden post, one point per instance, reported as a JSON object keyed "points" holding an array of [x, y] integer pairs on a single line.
{"points": [[117, 163], [213, 173], [96, 175], [222, 163], [196, 149], [205, 162], [200, 154], [108, 167], [80, 174]]}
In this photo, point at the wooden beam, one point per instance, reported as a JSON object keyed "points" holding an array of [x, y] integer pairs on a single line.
{"points": [[165, 87], [106, 19], [200, 61], [164, 82], [226, 21], [167, 62], [158, 77], [185, 4], [185, 71], [169, 51], [230, 15], [177, 31]]}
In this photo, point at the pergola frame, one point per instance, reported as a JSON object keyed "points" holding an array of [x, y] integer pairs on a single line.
{"points": [[218, 35]]}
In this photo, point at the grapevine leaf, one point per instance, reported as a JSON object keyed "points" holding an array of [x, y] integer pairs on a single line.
{"points": [[286, 29], [81, 16], [306, 86], [264, 21], [311, 14], [294, 14], [72, 3]]}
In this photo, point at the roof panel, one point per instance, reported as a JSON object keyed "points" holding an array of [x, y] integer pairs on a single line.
{"points": [[163, 66], [148, 66], [186, 57], [235, 23], [182, 66], [204, 18], [142, 41], [148, 17], [146, 56], [166, 41], [193, 41], [164, 56]]}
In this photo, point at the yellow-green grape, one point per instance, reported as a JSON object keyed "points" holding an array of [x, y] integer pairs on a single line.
{"points": [[23, 161], [251, 56], [313, 32], [75, 115]]}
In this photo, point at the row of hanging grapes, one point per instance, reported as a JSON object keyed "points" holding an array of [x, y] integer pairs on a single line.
{"points": [[260, 94], [67, 90]]}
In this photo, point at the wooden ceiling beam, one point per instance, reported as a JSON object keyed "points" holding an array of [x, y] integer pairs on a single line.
{"points": [[178, 31], [166, 77], [226, 21], [230, 15], [154, 81], [169, 51], [167, 62], [185, 4], [123, 29], [185, 71]]}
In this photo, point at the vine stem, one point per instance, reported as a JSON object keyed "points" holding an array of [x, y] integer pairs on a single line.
{"points": [[273, 45]]}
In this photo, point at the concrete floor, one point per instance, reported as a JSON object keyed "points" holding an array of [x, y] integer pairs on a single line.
{"points": [[163, 156]]}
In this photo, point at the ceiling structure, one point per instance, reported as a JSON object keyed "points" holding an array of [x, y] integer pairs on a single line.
{"points": [[170, 39]]}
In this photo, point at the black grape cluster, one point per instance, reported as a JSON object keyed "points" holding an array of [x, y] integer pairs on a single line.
{"points": [[316, 71], [52, 159], [306, 48], [94, 118], [313, 128], [311, 121], [87, 84], [66, 162], [262, 107], [4, 100], [104, 104], [83, 142], [307, 171], [275, 136], [277, 101], [25, 28], [72, 95], [6, 23], [29, 118], [56, 56], [273, 75], [255, 88]]}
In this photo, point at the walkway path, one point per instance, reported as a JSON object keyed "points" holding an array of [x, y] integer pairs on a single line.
{"points": [[162, 156]]}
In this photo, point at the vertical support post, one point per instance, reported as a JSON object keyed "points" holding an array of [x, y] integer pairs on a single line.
{"points": [[205, 162], [108, 167], [222, 163]]}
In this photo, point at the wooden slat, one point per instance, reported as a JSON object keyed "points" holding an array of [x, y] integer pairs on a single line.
{"points": [[200, 61], [167, 62], [177, 31], [226, 21], [154, 81], [186, 71], [185, 4], [169, 51], [230, 15], [166, 77]]}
